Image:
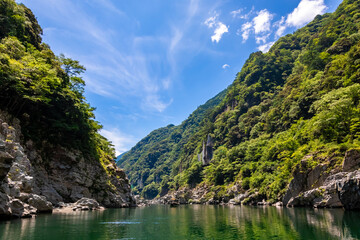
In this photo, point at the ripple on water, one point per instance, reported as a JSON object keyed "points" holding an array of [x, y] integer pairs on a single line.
{"points": [[121, 223]]}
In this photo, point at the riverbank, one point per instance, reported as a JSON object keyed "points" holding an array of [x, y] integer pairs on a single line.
{"points": [[327, 185]]}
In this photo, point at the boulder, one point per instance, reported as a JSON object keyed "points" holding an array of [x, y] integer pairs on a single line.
{"points": [[5, 210], [19, 209], [351, 161], [40, 203], [253, 199], [298, 182], [305, 199], [238, 199], [5, 164], [349, 191], [86, 204]]}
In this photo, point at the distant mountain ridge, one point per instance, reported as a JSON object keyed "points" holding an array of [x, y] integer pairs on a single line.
{"points": [[150, 161]]}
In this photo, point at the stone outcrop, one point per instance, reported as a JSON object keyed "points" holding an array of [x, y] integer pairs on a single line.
{"points": [[85, 204], [349, 190], [326, 185], [207, 152], [351, 160], [40, 203], [30, 183]]}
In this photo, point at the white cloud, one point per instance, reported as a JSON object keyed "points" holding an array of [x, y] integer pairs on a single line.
{"points": [[247, 15], [211, 21], [305, 12], [109, 5], [281, 27], [219, 31], [265, 47], [121, 141], [246, 29], [236, 13], [261, 39], [153, 102], [262, 21], [225, 66]]}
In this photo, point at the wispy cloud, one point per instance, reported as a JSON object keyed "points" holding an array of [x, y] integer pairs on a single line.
{"points": [[248, 14], [120, 72], [153, 102], [262, 39], [122, 142], [109, 6], [236, 13], [245, 30], [220, 28], [266, 47], [280, 25]]}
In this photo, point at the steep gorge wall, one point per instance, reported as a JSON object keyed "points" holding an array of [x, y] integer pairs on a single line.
{"points": [[34, 180]]}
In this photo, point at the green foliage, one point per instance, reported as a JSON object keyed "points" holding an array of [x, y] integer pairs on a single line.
{"points": [[150, 191], [151, 160], [301, 97], [44, 91]]}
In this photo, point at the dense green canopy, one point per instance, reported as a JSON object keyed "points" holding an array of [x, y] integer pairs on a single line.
{"points": [[301, 97], [44, 91]]}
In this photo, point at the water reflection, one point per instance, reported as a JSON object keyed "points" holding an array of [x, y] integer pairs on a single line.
{"points": [[189, 222]]}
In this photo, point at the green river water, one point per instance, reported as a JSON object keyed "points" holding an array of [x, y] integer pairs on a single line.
{"points": [[189, 222]]}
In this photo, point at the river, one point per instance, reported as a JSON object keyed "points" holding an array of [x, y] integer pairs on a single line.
{"points": [[189, 222]]}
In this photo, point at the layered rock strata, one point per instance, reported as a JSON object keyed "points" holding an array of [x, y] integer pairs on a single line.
{"points": [[31, 183]]}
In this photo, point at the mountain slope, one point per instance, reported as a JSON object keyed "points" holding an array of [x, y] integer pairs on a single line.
{"points": [[298, 100], [50, 148], [150, 161]]}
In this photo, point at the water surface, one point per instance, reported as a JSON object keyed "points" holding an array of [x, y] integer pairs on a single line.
{"points": [[189, 222]]}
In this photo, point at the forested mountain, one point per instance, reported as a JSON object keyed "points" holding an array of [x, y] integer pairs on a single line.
{"points": [[150, 162], [299, 99], [49, 140]]}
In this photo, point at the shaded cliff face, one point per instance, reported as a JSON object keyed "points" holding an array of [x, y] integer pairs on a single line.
{"points": [[33, 181]]}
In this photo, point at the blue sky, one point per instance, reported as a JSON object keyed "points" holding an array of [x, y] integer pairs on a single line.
{"points": [[151, 62]]}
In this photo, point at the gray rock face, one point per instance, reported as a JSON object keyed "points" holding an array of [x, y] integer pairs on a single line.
{"points": [[40, 203], [349, 191], [238, 199], [313, 187], [338, 190], [207, 151], [5, 209], [351, 160], [5, 162], [28, 187]]}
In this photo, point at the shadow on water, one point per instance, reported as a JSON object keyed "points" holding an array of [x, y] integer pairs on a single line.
{"points": [[189, 222]]}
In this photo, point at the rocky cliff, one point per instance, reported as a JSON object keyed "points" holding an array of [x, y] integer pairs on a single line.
{"points": [[330, 184], [327, 184], [36, 180]]}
